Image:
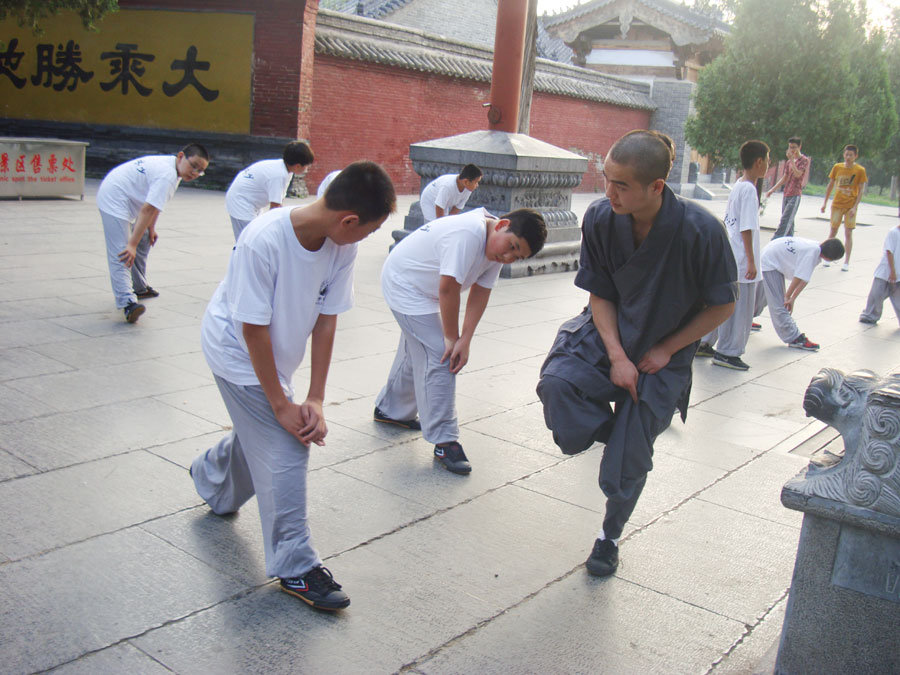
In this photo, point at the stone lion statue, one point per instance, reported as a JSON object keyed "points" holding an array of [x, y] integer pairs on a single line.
{"points": [[865, 409]]}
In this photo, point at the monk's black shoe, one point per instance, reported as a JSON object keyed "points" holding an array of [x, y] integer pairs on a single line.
{"points": [[604, 559], [453, 458], [412, 424]]}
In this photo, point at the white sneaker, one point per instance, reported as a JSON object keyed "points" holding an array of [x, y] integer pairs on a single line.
{"points": [[845, 267], [825, 263]]}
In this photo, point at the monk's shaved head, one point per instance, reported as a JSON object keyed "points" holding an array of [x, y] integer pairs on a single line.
{"points": [[650, 154]]}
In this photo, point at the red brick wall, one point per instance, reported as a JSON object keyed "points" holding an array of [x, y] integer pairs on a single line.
{"points": [[282, 57], [367, 111]]}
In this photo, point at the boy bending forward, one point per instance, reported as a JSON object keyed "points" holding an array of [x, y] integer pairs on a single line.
{"points": [[290, 274], [422, 280]]}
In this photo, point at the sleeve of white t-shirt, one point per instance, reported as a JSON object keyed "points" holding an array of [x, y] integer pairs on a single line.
{"points": [[340, 290], [489, 277], [444, 199], [276, 188], [160, 192], [748, 209], [806, 264], [251, 287], [892, 243], [459, 250]]}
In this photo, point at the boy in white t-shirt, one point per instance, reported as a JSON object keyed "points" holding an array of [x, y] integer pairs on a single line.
{"points": [[290, 274], [320, 191], [265, 184], [792, 258], [422, 280], [130, 199], [742, 225], [447, 195], [884, 285]]}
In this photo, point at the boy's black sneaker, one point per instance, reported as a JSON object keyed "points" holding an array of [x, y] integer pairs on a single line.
{"points": [[412, 424], [865, 319], [733, 362], [453, 458], [604, 559], [133, 312], [148, 292], [755, 327], [705, 351], [803, 343], [317, 588]]}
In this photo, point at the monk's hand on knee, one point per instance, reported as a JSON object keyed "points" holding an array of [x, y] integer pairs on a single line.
{"points": [[623, 374], [654, 360]]}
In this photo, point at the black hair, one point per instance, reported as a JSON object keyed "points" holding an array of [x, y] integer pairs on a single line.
{"points": [[650, 154], [469, 172], [298, 152], [832, 249], [752, 151], [795, 140], [195, 150], [363, 188], [852, 147], [530, 226]]}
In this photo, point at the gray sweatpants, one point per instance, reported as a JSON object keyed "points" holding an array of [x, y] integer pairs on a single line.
{"points": [[759, 304], [419, 382], [789, 206], [237, 226], [260, 457], [730, 338], [881, 290], [124, 282], [782, 321]]}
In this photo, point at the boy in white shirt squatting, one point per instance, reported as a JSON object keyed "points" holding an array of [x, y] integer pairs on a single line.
{"points": [[290, 274], [884, 285], [422, 280], [265, 184], [742, 225], [795, 259], [130, 199], [447, 195]]}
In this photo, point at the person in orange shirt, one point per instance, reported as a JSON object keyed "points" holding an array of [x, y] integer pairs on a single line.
{"points": [[850, 179]]}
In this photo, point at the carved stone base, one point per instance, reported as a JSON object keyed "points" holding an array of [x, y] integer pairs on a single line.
{"points": [[519, 172]]}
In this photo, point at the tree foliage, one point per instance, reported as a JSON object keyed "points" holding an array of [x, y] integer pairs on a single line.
{"points": [[31, 13], [795, 68]]}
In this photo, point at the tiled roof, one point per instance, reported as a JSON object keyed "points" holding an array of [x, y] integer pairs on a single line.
{"points": [[682, 13], [351, 37], [371, 9]]}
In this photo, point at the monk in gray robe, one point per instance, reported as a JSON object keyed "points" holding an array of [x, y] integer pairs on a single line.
{"points": [[661, 274]]}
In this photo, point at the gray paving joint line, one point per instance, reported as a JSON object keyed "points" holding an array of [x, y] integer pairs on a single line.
{"points": [[748, 631]]}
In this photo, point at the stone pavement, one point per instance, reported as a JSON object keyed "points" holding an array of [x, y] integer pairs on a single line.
{"points": [[110, 563]]}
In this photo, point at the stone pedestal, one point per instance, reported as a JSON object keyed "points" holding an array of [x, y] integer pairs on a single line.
{"points": [[843, 612], [519, 172]]}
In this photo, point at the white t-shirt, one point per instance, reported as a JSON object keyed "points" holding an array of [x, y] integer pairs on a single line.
{"points": [[451, 246], [892, 244], [442, 191], [742, 214], [272, 280], [792, 256], [255, 187], [151, 180], [320, 191]]}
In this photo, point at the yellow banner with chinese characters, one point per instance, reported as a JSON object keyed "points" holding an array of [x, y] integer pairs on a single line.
{"points": [[145, 68]]}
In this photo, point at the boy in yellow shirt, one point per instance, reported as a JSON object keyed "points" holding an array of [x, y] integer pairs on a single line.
{"points": [[850, 179]]}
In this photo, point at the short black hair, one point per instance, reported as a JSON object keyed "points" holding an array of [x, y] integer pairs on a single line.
{"points": [[752, 151], [795, 140], [530, 226], [852, 147], [650, 154], [298, 152], [363, 188], [469, 172], [195, 150], [832, 249]]}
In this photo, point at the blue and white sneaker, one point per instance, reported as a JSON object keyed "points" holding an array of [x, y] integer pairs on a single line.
{"points": [[453, 458]]}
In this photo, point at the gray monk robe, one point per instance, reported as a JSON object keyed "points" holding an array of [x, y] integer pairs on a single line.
{"points": [[683, 265]]}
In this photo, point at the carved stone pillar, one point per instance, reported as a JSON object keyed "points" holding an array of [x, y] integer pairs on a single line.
{"points": [[519, 172]]}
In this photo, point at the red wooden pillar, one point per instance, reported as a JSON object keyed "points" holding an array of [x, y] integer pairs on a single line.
{"points": [[509, 56]]}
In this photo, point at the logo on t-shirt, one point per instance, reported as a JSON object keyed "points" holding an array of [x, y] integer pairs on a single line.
{"points": [[323, 291], [789, 246], [140, 166], [248, 175]]}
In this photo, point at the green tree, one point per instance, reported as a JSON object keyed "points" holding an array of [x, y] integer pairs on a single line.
{"points": [[31, 13], [789, 69]]}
